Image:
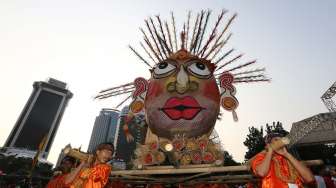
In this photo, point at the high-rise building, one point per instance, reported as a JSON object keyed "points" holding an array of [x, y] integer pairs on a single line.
{"points": [[40, 117], [104, 129]]}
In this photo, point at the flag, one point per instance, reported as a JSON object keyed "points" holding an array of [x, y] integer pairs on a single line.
{"points": [[40, 148]]}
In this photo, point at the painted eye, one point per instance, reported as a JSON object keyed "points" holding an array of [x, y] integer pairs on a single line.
{"points": [[200, 69], [164, 68]]}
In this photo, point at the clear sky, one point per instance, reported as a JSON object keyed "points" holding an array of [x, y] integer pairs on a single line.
{"points": [[84, 43]]}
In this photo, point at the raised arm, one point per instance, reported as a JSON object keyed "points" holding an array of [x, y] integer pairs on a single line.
{"points": [[305, 173], [73, 174], [263, 168]]}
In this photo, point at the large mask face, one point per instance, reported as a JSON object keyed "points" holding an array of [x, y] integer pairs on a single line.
{"points": [[183, 97]]}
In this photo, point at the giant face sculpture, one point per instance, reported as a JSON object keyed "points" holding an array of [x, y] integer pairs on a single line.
{"points": [[182, 97]]}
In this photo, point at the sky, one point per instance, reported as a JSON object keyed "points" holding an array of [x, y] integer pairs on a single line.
{"points": [[84, 43]]}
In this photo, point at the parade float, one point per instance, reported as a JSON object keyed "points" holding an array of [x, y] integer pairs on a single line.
{"points": [[191, 82]]}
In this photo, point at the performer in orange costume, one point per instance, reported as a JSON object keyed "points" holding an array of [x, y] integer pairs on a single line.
{"points": [[279, 169], [93, 173], [58, 180]]}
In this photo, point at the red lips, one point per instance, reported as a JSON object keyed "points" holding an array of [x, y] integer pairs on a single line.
{"points": [[181, 108]]}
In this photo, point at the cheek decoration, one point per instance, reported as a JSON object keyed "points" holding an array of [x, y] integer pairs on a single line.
{"points": [[211, 91], [154, 90]]}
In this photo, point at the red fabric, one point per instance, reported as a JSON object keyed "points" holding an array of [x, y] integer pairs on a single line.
{"points": [[271, 180], [329, 183], [57, 182], [95, 177], [116, 184], [215, 185]]}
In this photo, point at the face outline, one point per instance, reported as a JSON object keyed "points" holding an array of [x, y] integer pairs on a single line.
{"points": [[182, 97], [66, 165], [103, 155], [275, 141]]}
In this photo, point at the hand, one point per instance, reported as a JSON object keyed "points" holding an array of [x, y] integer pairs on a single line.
{"points": [[283, 151], [269, 148], [90, 159], [84, 164]]}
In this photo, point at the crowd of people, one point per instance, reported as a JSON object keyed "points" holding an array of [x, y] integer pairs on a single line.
{"points": [[275, 166]]}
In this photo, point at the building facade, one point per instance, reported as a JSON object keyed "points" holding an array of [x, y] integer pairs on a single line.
{"points": [[40, 117], [104, 129]]}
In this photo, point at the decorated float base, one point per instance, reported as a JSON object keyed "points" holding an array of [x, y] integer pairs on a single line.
{"points": [[191, 174]]}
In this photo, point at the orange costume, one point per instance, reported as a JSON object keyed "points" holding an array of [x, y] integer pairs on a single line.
{"points": [[94, 177], [57, 182], [280, 174]]}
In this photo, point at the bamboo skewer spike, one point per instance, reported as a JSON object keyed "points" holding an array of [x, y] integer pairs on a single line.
{"points": [[201, 53], [251, 71], [117, 90], [161, 28], [174, 29], [150, 56], [169, 36], [213, 33], [165, 45], [223, 56], [183, 38], [250, 81], [187, 34], [137, 54], [150, 45], [124, 85], [162, 51], [250, 77], [194, 32], [217, 51], [112, 95], [203, 30], [229, 62], [214, 48], [122, 102], [243, 65], [153, 38], [152, 48], [226, 27], [164, 40], [194, 45], [223, 42]]}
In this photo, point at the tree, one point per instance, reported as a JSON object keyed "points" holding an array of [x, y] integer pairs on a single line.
{"points": [[255, 139], [228, 160], [254, 142]]}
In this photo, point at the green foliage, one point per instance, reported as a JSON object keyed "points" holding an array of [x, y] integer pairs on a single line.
{"points": [[254, 142], [228, 160], [255, 139]]}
